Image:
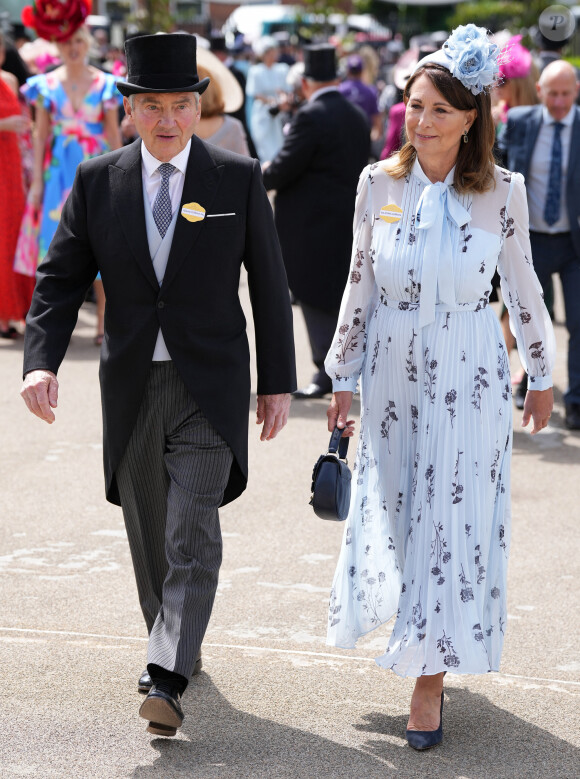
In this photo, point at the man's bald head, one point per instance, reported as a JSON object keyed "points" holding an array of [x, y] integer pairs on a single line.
{"points": [[558, 88]]}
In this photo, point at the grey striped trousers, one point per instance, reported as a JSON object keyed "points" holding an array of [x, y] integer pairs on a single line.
{"points": [[171, 481]]}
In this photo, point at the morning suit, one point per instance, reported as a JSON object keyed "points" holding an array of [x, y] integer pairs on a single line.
{"points": [[555, 249], [195, 304], [315, 176]]}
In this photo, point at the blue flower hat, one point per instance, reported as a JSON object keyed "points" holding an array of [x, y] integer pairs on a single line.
{"points": [[470, 56]]}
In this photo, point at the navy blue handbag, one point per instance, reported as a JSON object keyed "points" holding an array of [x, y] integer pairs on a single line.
{"points": [[331, 480]]}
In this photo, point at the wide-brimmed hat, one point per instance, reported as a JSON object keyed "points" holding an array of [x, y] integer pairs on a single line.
{"points": [[404, 67], [232, 94], [161, 63]]}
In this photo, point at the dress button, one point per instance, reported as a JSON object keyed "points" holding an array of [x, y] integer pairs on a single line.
{"points": [[161, 304]]}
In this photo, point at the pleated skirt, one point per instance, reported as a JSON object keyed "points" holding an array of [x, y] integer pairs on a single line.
{"points": [[427, 536]]}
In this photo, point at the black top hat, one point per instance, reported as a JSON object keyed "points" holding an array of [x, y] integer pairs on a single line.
{"points": [[320, 62], [161, 63]]}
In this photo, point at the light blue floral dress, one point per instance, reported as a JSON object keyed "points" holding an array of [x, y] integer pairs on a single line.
{"points": [[266, 130], [428, 533]]}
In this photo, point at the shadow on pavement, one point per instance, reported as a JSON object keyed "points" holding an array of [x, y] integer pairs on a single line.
{"points": [[226, 743], [480, 740]]}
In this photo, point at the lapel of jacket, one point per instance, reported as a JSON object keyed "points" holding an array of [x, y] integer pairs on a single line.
{"points": [[200, 186], [573, 159], [532, 129], [126, 183]]}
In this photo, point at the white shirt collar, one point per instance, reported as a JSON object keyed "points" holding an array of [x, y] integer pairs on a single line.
{"points": [[151, 163], [322, 91], [418, 171], [568, 120]]}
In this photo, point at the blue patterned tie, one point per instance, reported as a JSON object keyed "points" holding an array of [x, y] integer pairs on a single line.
{"points": [[552, 207], [162, 212]]}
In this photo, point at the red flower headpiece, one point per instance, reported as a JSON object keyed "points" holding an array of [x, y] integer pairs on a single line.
{"points": [[56, 20]]}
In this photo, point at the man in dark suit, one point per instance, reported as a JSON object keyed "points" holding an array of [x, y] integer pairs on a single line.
{"points": [[315, 176], [543, 143], [168, 221]]}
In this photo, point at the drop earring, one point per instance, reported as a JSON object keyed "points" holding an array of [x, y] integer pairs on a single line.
{"points": [[465, 136]]}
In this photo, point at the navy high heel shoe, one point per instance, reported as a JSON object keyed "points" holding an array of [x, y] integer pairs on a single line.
{"points": [[425, 739]]}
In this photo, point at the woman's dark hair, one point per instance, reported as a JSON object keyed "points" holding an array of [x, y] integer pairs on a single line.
{"points": [[475, 166]]}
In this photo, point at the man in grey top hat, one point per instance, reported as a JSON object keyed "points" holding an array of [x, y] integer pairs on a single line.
{"points": [[315, 176], [168, 221]]}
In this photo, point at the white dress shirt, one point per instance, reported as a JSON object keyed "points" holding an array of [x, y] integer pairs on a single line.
{"points": [[539, 174], [151, 184], [152, 177]]}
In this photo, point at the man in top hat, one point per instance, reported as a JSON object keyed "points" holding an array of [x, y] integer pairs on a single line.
{"points": [[168, 222], [315, 176]]}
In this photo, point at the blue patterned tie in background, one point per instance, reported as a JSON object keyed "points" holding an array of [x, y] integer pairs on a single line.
{"points": [[552, 207], [162, 212]]}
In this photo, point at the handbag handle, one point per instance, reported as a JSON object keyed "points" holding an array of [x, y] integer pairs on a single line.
{"points": [[338, 443]]}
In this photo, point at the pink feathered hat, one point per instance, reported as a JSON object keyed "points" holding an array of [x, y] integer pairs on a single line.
{"points": [[515, 60]]}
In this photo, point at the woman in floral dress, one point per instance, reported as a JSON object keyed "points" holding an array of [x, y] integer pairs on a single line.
{"points": [[76, 117], [427, 537]]}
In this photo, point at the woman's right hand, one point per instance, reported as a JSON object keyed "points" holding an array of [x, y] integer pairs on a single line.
{"points": [[338, 412], [35, 194], [15, 124]]}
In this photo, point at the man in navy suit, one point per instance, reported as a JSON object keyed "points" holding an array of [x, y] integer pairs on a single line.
{"points": [[169, 221], [543, 143], [315, 176]]}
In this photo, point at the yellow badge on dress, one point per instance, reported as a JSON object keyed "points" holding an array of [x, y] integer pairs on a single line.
{"points": [[193, 212], [391, 213]]}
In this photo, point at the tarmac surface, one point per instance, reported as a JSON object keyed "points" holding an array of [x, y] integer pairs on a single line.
{"points": [[273, 701]]}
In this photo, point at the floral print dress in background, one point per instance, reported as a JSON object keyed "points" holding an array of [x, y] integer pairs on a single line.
{"points": [[76, 136], [427, 537]]}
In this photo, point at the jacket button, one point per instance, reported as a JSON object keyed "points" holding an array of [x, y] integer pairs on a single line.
{"points": [[161, 304]]}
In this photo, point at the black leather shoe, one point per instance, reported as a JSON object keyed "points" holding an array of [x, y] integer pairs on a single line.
{"points": [[425, 739], [310, 392], [145, 682], [520, 393], [573, 416], [162, 707]]}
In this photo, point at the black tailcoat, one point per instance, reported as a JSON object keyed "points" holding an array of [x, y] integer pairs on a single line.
{"points": [[315, 176], [197, 306]]}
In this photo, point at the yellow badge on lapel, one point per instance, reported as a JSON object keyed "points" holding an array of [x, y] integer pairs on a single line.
{"points": [[193, 212], [391, 213]]}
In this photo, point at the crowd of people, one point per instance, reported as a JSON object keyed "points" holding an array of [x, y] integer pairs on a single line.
{"points": [[427, 154]]}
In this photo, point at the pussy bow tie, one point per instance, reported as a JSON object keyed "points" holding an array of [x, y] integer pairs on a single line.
{"points": [[436, 206]]}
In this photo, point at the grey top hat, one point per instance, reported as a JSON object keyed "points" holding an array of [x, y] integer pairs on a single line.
{"points": [[161, 63], [320, 62]]}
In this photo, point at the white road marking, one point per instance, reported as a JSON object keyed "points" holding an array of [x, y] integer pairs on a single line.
{"points": [[243, 647]]}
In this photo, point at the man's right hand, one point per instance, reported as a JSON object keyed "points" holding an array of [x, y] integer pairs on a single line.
{"points": [[338, 412], [40, 393]]}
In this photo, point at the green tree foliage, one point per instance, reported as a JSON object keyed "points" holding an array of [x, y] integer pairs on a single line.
{"points": [[498, 15]]}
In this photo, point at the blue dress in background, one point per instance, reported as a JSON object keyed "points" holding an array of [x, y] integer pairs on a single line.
{"points": [[75, 136]]}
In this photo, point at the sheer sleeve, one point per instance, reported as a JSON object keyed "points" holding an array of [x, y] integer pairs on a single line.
{"points": [[522, 293], [346, 355]]}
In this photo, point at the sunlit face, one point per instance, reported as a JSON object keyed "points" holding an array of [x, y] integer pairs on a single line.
{"points": [[75, 50], [270, 57], [164, 121], [434, 126], [557, 90]]}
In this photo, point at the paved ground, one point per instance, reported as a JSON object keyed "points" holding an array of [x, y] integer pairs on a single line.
{"points": [[273, 701]]}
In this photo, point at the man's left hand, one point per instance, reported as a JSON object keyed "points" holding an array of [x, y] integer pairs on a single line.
{"points": [[273, 411]]}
